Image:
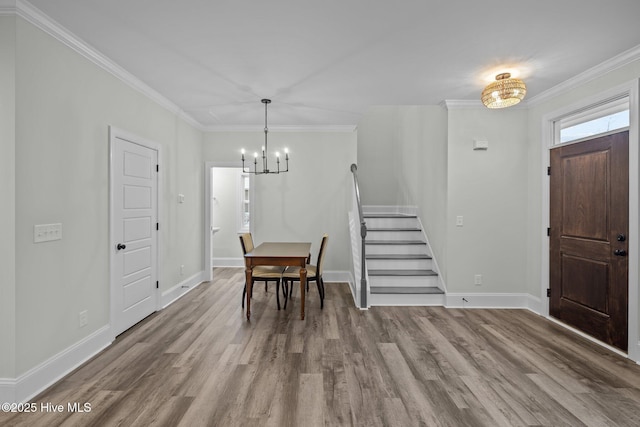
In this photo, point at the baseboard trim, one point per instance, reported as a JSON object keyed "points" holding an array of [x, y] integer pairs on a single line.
{"points": [[227, 262], [39, 378], [488, 300], [337, 277], [178, 291], [343, 277], [534, 303], [7, 390]]}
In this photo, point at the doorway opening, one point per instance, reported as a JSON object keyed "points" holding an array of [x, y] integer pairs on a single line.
{"points": [[228, 213]]}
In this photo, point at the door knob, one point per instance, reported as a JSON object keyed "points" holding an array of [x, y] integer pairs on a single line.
{"points": [[620, 252], [121, 246], [621, 238]]}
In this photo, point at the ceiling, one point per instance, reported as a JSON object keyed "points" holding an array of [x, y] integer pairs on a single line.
{"points": [[324, 63]]}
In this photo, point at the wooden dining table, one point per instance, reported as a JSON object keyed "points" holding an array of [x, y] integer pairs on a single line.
{"points": [[281, 254]]}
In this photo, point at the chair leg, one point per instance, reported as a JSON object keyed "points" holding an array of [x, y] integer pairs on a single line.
{"points": [[320, 293], [244, 294], [277, 292], [265, 286], [285, 292]]}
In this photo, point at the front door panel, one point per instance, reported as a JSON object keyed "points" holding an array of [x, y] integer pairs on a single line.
{"points": [[589, 214]]}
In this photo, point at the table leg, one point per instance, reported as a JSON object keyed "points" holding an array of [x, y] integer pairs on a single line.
{"points": [[249, 272], [303, 287]]}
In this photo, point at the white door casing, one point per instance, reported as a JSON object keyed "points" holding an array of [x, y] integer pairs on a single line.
{"points": [[208, 194], [632, 91], [134, 235]]}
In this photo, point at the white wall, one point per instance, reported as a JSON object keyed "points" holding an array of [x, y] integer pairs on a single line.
{"points": [[423, 156], [487, 188], [226, 209], [185, 221], [402, 160], [8, 196], [311, 199], [64, 105], [379, 157]]}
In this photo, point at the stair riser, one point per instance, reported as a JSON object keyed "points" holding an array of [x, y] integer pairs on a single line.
{"points": [[395, 235], [396, 249], [392, 223], [391, 281], [399, 264], [403, 299]]}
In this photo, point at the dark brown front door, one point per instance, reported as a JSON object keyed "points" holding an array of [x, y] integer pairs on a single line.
{"points": [[589, 227]]}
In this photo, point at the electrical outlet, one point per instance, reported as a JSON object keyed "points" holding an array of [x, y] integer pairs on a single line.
{"points": [[83, 318], [459, 221], [182, 270], [477, 279]]}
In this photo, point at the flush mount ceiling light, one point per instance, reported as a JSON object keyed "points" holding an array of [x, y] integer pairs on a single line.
{"points": [[504, 92], [265, 161]]}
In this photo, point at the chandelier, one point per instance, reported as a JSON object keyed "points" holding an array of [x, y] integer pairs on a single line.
{"points": [[504, 92], [265, 162]]}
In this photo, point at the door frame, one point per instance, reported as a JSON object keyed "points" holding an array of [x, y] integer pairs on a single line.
{"points": [[208, 167], [114, 133], [630, 89]]}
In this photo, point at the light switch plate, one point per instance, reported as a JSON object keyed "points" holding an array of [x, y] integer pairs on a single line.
{"points": [[47, 232], [480, 144]]}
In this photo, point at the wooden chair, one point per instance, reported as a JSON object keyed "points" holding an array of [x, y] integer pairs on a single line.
{"points": [[314, 274], [261, 273]]}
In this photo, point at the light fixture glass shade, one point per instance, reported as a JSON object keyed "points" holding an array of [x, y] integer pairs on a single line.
{"points": [[504, 92]]}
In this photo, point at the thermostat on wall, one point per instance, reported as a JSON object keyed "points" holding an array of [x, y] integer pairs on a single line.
{"points": [[480, 144]]}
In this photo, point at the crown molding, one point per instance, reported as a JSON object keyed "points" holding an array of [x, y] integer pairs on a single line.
{"points": [[255, 128], [40, 20], [7, 7], [593, 73], [37, 18]]}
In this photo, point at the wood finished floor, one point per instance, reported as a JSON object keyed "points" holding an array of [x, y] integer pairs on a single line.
{"points": [[200, 363]]}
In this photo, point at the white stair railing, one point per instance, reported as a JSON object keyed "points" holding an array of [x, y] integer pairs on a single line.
{"points": [[358, 232]]}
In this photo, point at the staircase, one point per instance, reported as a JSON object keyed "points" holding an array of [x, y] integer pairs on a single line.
{"points": [[399, 266]]}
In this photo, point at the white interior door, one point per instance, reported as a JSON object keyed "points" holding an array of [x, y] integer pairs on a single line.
{"points": [[134, 235]]}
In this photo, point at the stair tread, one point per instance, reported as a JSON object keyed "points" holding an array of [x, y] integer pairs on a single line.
{"points": [[405, 290], [402, 273], [398, 256], [395, 242], [394, 229]]}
